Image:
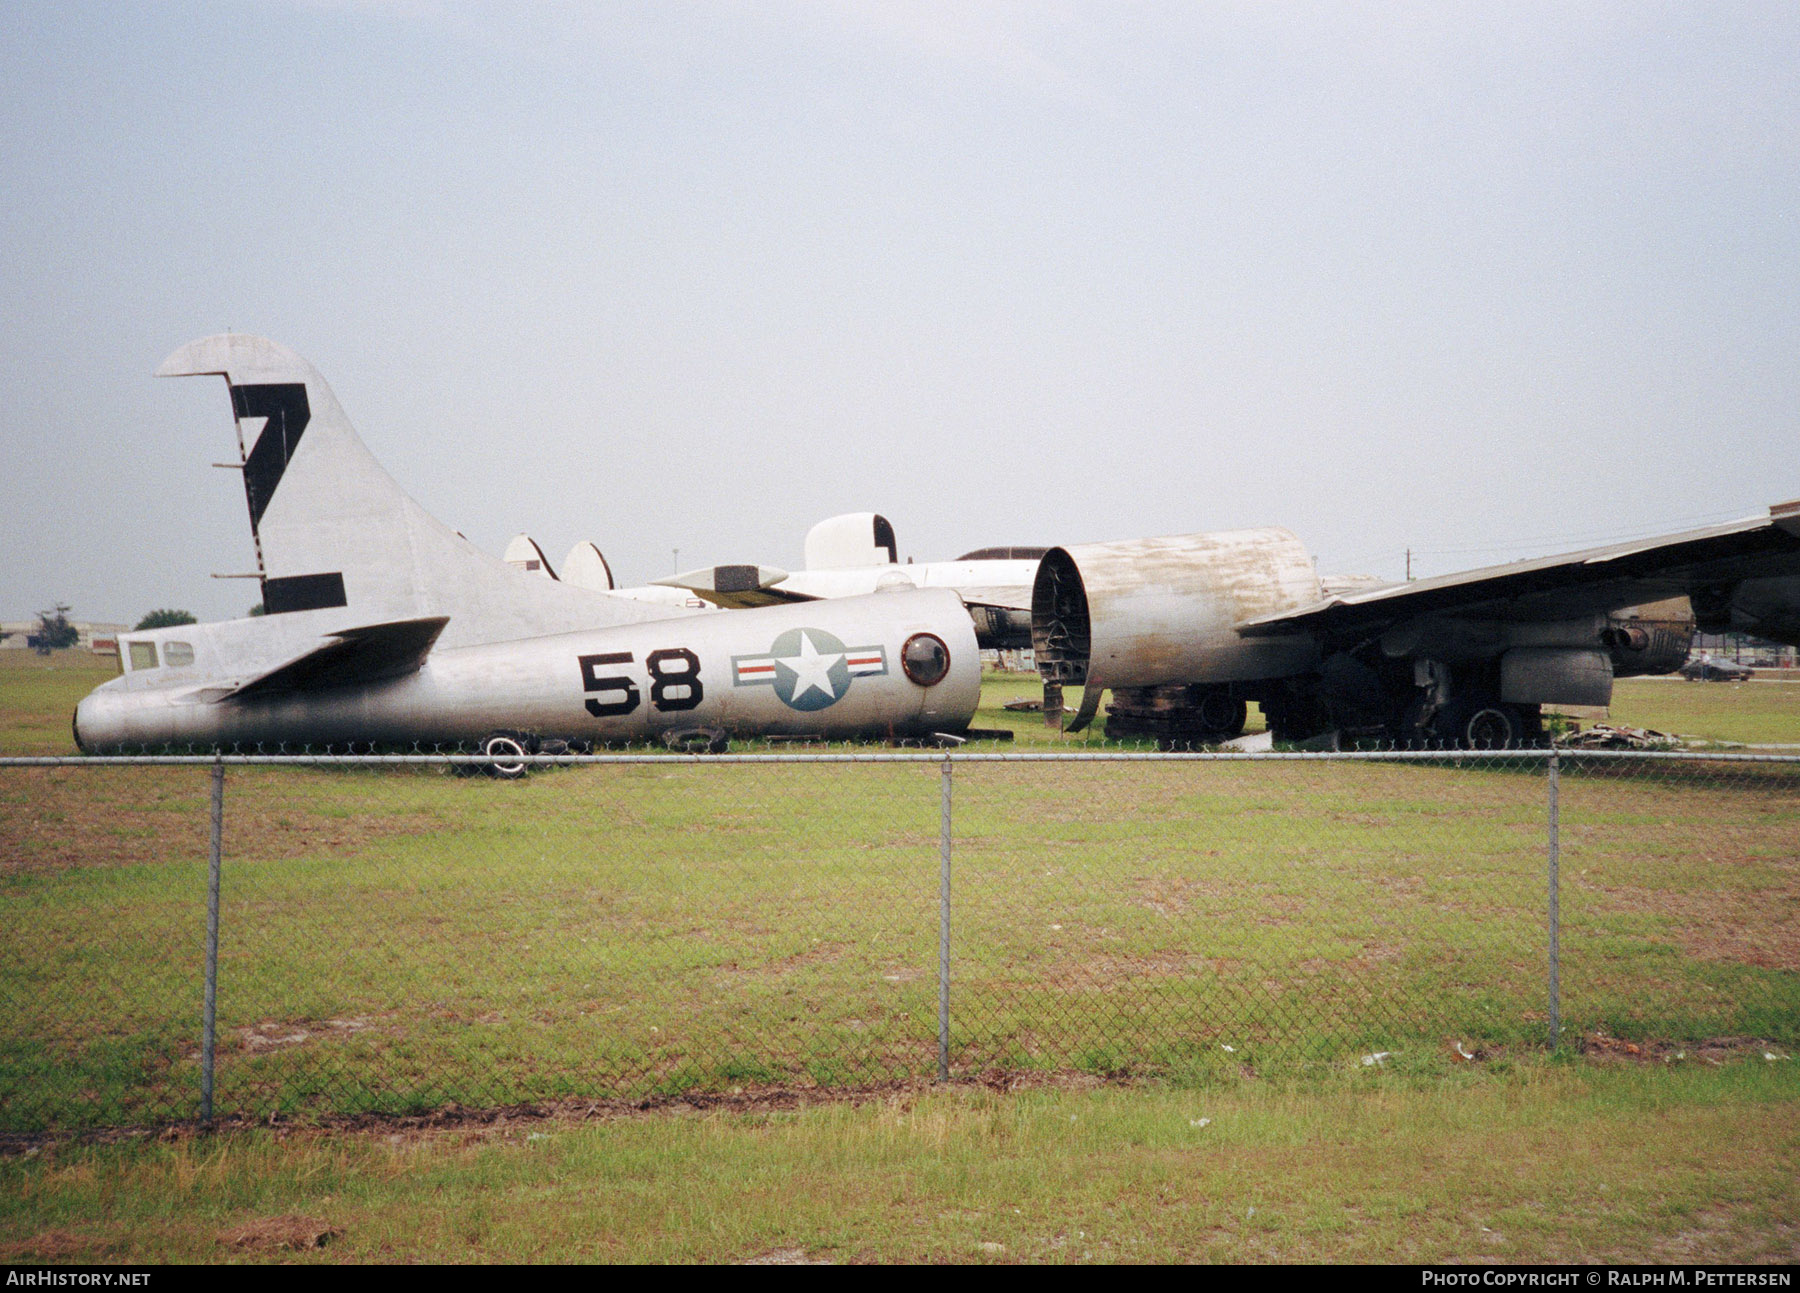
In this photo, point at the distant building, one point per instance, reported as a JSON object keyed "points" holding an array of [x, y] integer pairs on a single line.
{"points": [[95, 636]]}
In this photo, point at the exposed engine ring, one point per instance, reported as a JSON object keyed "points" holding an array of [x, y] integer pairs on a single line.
{"points": [[1176, 715]]}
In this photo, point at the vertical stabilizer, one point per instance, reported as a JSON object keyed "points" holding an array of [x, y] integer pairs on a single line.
{"points": [[851, 541], [523, 553], [586, 567], [338, 537]]}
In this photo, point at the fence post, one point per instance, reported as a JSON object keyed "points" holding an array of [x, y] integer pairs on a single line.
{"points": [[1555, 780], [943, 1073], [207, 1028]]}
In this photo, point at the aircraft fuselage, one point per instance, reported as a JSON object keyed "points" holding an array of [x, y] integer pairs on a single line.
{"points": [[829, 669]]}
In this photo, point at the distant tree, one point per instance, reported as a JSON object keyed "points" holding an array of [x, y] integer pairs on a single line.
{"points": [[257, 609], [54, 631], [163, 620]]}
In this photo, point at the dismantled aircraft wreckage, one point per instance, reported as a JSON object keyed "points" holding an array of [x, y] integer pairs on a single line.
{"points": [[1186, 630]]}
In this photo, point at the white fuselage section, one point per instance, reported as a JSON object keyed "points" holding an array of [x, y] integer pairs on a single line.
{"points": [[831, 669]]}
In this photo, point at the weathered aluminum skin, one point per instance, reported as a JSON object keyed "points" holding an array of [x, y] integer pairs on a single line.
{"points": [[1743, 575], [541, 686], [362, 585], [1544, 675], [1650, 639], [1166, 610]]}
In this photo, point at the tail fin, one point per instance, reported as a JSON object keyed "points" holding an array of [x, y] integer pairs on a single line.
{"points": [[851, 541], [523, 553], [586, 567], [336, 535]]}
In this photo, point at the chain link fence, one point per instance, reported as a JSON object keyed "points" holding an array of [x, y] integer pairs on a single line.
{"points": [[389, 937]]}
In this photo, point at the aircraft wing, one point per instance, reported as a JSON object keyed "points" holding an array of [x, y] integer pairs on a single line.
{"points": [[1707, 565], [736, 587], [370, 653]]}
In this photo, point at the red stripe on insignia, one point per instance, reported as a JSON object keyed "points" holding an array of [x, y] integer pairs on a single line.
{"points": [[756, 668]]}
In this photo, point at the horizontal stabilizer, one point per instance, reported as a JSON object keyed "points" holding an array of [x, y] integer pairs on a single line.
{"points": [[1013, 598], [370, 653], [736, 587]]}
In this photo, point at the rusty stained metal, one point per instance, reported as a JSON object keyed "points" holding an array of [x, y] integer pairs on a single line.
{"points": [[1176, 716], [1140, 612], [1650, 639]]}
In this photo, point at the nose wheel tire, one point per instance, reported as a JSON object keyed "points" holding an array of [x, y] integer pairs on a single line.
{"points": [[508, 751]]}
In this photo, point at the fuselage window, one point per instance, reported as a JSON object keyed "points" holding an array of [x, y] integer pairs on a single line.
{"points": [[143, 655], [177, 654]]}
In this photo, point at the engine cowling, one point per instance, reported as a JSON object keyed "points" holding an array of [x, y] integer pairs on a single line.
{"points": [[1153, 612], [1650, 639]]}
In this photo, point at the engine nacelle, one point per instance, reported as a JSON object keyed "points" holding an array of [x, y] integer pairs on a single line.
{"points": [[1762, 607], [1649, 639], [1153, 612]]}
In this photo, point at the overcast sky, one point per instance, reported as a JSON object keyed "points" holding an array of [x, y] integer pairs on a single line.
{"points": [[1481, 280]]}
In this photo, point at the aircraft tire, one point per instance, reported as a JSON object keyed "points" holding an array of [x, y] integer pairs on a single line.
{"points": [[1479, 723], [697, 740], [1295, 716], [1223, 714], [504, 744]]}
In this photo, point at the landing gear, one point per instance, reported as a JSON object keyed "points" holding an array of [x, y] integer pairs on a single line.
{"points": [[1294, 713], [508, 750], [1478, 722], [697, 740]]}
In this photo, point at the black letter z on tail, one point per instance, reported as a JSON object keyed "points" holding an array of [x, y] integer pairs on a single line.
{"points": [[284, 404]]}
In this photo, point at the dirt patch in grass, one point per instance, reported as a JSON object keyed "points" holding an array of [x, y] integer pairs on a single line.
{"points": [[503, 1120], [820, 953], [274, 1035], [46, 1246], [53, 819], [1760, 929], [519, 1120], [1710, 1227], [269, 1234], [786, 1257], [1713, 1050], [1123, 970]]}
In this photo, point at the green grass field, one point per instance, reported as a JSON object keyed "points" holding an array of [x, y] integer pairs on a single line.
{"points": [[1676, 1163], [1233, 938]]}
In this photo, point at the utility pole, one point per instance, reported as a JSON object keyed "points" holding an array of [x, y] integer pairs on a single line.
{"points": [[1409, 565]]}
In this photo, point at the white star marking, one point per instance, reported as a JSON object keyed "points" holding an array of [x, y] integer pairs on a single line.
{"points": [[812, 671]]}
